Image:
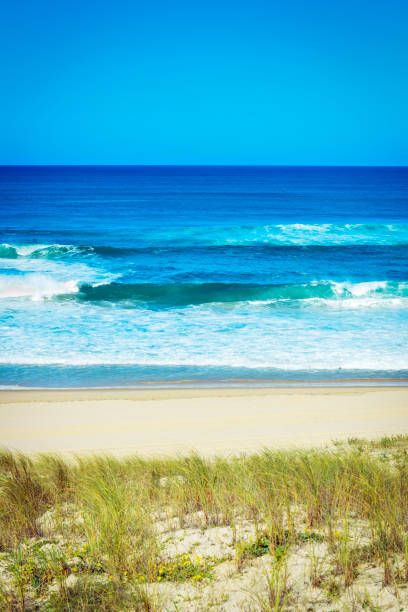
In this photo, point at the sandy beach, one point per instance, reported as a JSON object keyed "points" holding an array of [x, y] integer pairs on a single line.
{"points": [[211, 421]]}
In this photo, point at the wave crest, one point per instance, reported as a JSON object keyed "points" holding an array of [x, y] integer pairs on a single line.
{"points": [[43, 251], [8, 252]]}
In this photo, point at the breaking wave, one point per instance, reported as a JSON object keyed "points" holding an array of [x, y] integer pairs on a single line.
{"points": [[190, 293], [40, 286], [35, 286]]}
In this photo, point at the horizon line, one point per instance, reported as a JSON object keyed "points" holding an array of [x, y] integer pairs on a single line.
{"points": [[204, 165]]}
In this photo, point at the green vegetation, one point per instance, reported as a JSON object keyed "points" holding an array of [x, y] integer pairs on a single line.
{"points": [[183, 567], [101, 533]]}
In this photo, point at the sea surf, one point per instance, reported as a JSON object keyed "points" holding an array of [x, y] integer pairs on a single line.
{"points": [[118, 276]]}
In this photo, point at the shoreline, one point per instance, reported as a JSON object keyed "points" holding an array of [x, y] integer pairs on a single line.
{"points": [[153, 421], [224, 384], [111, 376]]}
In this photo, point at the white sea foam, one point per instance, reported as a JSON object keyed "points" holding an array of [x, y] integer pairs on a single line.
{"points": [[345, 303], [25, 250], [297, 234], [35, 286], [367, 302], [78, 333]]}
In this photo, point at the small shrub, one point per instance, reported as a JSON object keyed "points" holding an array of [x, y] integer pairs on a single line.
{"points": [[256, 548], [32, 566], [184, 567], [87, 595]]}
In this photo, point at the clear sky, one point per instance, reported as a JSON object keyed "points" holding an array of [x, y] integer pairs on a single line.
{"points": [[211, 82]]}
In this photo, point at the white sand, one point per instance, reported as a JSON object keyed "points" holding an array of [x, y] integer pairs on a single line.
{"points": [[207, 420]]}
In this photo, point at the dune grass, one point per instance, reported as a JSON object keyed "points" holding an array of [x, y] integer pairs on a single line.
{"points": [[88, 533]]}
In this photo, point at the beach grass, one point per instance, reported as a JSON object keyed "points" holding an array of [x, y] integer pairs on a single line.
{"points": [[321, 529]]}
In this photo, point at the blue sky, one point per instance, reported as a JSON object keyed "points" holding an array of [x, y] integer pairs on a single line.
{"points": [[184, 82]]}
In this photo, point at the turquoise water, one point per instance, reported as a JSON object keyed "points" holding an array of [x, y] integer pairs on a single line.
{"points": [[121, 275]]}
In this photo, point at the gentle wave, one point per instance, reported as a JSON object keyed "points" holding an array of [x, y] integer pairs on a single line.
{"points": [[60, 251], [299, 234], [295, 234]]}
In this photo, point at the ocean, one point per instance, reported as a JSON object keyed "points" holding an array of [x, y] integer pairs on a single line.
{"points": [[118, 276]]}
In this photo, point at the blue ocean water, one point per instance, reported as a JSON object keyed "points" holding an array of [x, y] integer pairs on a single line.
{"points": [[121, 275]]}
